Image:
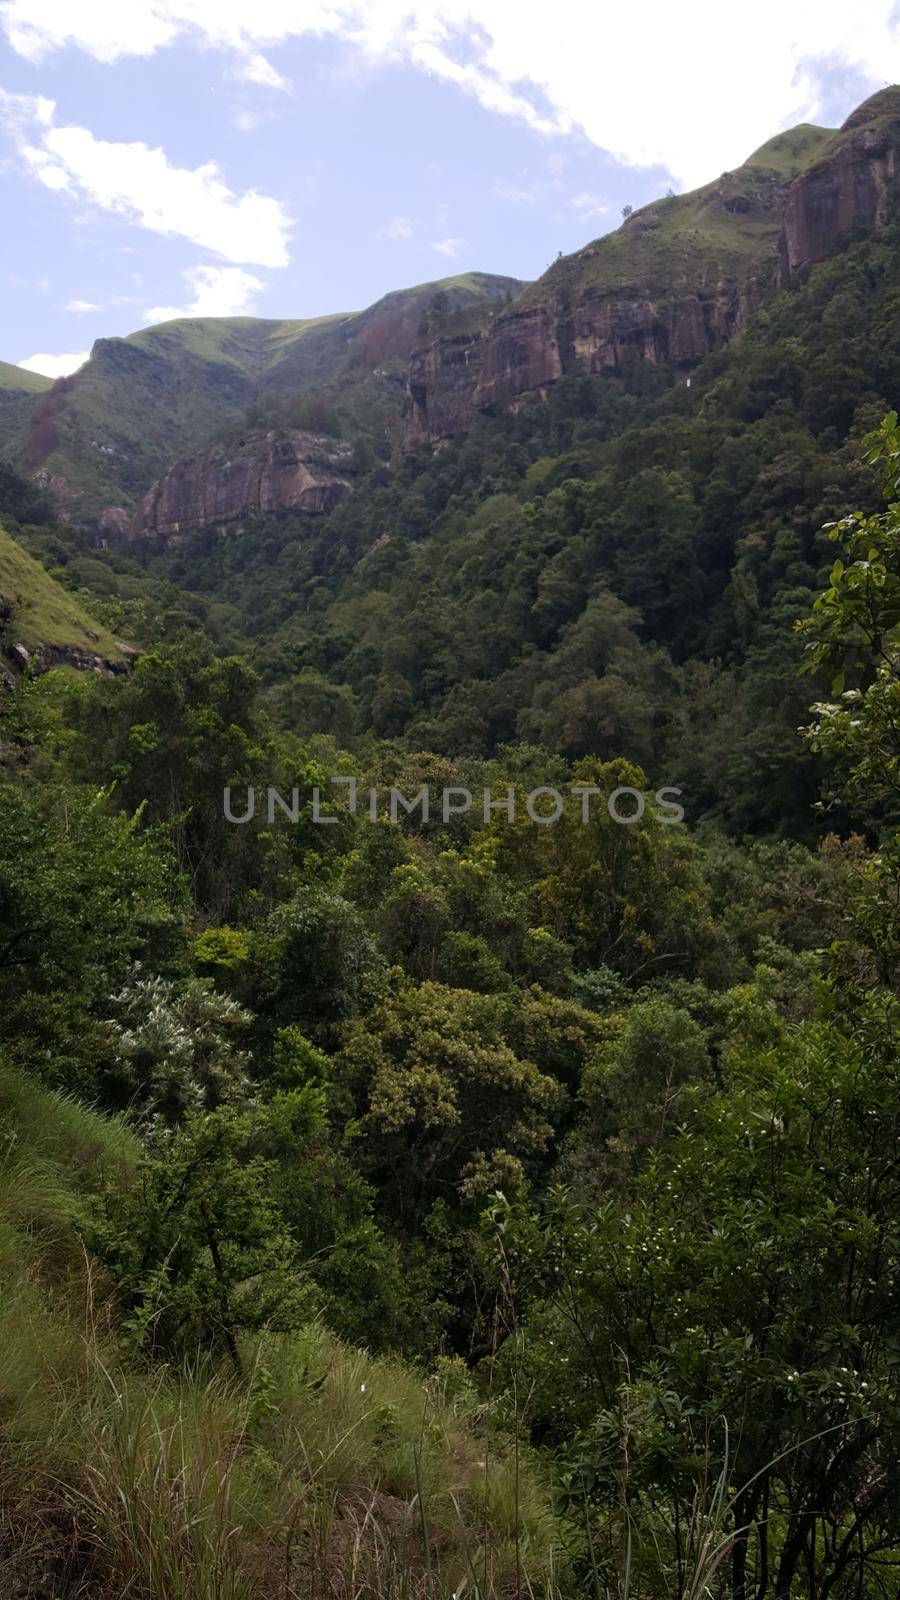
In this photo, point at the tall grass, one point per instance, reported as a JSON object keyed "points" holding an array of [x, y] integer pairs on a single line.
{"points": [[324, 1474]]}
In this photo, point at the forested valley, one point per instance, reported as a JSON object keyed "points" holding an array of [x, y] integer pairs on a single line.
{"points": [[472, 1204]]}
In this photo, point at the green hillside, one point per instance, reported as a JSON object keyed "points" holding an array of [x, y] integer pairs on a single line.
{"points": [[477, 599], [494, 1193], [791, 152], [40, 611], [18, 379], [144, 401], [727, 228]]}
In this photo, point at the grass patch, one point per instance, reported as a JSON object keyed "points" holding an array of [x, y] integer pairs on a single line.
{"points": [[42, 612], [790, 152], [726, 229], [19, 378], [324, 1472]]}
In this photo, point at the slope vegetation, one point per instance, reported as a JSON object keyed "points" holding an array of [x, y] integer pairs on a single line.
{"points": [[324, 1471], [36, 612], [19, 380]]}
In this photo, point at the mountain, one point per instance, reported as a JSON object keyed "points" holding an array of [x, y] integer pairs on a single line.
{"points": [[681, 276], [613, 563], [101, 437], [678, 279], [452, 597], [583, 1102]]}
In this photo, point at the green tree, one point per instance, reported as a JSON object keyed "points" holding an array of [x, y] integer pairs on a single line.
{"points": [[196, 1245], [854, 634], [445, 1107], [176, 1048], [749, 1283]]}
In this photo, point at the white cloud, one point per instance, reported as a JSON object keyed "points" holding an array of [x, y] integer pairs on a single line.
{"points": [[256, 69], [448, 247], [138, 182], [104, 31], [587, 205], [397, 228], [214, 292], [609, 71], [55, 366], [81, 306]]}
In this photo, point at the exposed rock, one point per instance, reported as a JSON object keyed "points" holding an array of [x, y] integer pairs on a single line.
{"points": [[284, 470], [114, 523], [675, 327], [16, 659], [441, 385], [67, 655], [678, 279], [522, 353], [857, 184], [451, 380]]}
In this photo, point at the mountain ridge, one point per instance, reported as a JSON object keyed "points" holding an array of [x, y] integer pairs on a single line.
{"points": [[680, 278], [102, 436], [20, 379]]}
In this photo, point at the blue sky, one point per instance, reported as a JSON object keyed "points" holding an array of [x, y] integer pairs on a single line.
{"points": [[164, 157]]}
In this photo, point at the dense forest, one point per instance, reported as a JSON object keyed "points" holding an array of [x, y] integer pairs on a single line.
{"points": [[487, 1202]]}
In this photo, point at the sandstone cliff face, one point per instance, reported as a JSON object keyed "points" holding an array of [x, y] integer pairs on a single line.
{"points": [[452, 379], [659, 327], [279, 471], [680, 278], [856, 185]]}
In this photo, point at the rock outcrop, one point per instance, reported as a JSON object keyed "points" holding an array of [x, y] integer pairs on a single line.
{"points": [[113, 523], [102, 436], [679, 278], [283, 470], [856, 185], [17, 659]]}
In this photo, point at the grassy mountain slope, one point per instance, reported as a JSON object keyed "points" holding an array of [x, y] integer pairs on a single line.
{"points": [[40, 612], [20, 380], [20, 392], [322, 1466], [142, 402], [725, 228], [792, 151]]}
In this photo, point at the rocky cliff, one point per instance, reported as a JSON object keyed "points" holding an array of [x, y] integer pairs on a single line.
{"points": [[855, 185], [100, 438], [680, 277], [279, 470]]}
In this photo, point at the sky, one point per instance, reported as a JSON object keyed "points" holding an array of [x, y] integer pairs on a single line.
{"points": [[277, 158]]}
